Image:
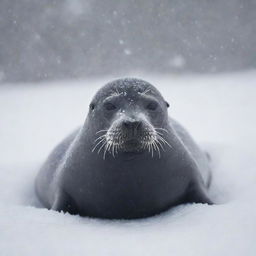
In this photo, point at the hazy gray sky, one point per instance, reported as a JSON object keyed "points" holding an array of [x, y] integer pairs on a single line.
{"points": [[73, 39]]}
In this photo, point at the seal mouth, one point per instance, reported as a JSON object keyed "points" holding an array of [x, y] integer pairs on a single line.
{"points": [[132, 142], [115, 141]]}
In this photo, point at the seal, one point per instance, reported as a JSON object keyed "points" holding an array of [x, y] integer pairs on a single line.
{"points": [[129, 160]]}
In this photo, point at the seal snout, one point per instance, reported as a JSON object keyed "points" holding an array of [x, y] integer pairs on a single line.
{"points": [[131, 135], [131, 124]]}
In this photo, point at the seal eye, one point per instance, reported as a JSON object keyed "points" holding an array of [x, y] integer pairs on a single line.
{"points": [[109, 106], [152, 105], [92, 106]]}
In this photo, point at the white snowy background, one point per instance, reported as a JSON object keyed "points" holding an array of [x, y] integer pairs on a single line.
{"points": [[218, 110]]}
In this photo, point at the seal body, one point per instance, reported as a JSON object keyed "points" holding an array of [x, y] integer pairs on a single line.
{"points": [[129, 159]]}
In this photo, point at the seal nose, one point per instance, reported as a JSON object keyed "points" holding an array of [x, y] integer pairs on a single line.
{"points": [[131, 125]]}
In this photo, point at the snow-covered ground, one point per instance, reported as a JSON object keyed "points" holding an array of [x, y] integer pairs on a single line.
{"points": [[220, 113]]}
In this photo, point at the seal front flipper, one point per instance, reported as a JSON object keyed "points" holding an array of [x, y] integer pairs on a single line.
{"points": [[197, 194], [63, 202]]}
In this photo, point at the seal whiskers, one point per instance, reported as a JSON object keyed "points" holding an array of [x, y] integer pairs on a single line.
{"points": [[114, 140]]}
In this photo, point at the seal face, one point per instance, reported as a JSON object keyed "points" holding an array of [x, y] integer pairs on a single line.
{"points": [[135, 118], [128, 160]]}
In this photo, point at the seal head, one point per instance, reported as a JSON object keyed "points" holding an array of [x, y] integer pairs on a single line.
{"points": [[129, 114]]}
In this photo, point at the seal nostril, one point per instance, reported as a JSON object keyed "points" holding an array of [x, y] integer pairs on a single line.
{"points": [[126, 124]]}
